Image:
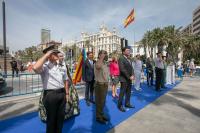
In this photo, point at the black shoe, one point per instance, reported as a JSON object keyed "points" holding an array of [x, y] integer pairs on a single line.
{"points": [[158, 90], [92, 101], [88, 103], [101, 121], [121, 109], [129, 106], [105, 118]]}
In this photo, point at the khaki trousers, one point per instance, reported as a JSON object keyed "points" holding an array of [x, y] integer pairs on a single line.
{"points": [[100, 97]]}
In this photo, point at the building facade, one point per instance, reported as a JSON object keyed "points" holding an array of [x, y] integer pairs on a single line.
{"points": [[103, 40], [196, 21], [45, 36], [187, 30]]}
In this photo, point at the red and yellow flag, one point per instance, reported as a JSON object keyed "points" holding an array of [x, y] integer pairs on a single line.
{"points": [[129, 19], [78, 72]]}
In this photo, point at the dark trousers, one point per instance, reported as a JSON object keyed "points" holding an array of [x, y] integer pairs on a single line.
{"points": [[159, 76], [100, 98], [15, 70], [163, 81], [150, 78], [54, 102], [125, 89], [89, 90]]}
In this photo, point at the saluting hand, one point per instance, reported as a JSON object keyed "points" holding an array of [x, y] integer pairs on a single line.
{"points": [[48, 53], [132, 77]]}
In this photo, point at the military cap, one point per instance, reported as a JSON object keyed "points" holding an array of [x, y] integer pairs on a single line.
{"points": [[51, 47]]}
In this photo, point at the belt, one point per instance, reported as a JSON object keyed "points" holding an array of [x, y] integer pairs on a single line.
{"points": [[55, 90], [102, 83], [159, 68]]}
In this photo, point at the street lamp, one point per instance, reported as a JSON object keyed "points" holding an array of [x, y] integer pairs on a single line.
{"points": [[4, 38]]}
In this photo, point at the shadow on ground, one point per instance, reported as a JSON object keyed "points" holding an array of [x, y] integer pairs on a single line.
{"points": [[17, 111], [173, 100], [6, 90]]}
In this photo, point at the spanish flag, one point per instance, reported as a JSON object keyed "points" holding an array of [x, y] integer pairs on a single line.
{"points": [[129, 19], [78, 72]]}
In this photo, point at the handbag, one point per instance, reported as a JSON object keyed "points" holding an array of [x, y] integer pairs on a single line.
{"points": [[72, 107]]}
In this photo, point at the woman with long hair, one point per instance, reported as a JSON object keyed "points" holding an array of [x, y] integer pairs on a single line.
{"points": [[114, 74]]}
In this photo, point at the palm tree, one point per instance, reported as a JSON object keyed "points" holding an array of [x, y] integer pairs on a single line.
{"points": [[175, 41], [146, 42], [159, 39], [191, 48]]}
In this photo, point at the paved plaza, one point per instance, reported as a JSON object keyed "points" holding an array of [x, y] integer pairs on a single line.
{"points": [[178, 111]]}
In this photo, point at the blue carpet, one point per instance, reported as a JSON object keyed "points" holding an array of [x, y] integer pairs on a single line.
{"points": [[85, 122]]}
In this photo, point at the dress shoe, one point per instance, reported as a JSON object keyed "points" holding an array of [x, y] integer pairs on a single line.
{"points": [[121, 109], [105, 118], [101, 121], [129, 106], [92, 101], [158, 90], [88, 103]]}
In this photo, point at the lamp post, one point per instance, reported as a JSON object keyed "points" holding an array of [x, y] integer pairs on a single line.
{"points": [[4, 38]]}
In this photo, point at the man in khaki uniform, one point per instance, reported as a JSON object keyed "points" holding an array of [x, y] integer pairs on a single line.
{"points": [[101, 73]]}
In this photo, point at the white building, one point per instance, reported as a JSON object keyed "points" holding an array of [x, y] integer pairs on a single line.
{"points": [[196, 21], [103, 40], [136, 49]]}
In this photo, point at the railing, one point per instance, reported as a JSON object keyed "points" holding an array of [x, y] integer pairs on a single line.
{"points": [[30, 83], [24, 83], [21, 85]]}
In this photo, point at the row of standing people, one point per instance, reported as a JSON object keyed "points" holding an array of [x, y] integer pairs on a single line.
{"points": [[56, 85], [185, 69], [96, 76]]}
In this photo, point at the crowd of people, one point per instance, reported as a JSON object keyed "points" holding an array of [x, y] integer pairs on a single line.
{"points": [[96, 75]]}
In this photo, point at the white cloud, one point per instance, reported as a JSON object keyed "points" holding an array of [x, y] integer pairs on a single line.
{"points": [[67, 19]]}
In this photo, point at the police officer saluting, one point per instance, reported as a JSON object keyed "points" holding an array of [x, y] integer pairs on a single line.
{"points": [[55, 83]]}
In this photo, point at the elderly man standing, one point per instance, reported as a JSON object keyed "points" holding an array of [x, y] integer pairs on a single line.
{"points": [[101, 73]]}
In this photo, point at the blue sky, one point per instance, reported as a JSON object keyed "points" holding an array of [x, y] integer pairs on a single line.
{"points": [[68, 18]]}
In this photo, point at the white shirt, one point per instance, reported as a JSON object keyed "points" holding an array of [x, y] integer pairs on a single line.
{"points": [[53, 76], [91, 62], [159, 63], [138, 65]]}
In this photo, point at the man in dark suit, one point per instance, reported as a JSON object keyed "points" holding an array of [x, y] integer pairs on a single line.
{"points": [[14, 67], [88, 77], [126, 77]]}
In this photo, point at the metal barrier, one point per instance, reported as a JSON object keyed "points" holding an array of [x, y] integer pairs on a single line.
{"points": [[24, 83]]}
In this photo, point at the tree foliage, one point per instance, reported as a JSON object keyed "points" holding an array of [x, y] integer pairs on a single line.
{"points": [[173, 41]]}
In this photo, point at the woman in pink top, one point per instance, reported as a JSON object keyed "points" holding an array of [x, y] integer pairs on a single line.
{"points": [[114, 74]]}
